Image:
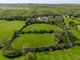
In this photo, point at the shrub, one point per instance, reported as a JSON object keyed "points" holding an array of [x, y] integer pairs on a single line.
{"points": [[12, 53], [59, 34], [73, 25], [30, 56], [72, 38], [67, 46], [3, 43], [37, 31]]}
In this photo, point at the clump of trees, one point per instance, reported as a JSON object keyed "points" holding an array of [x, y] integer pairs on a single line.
{"points": [[30, 56], [11, 52], [12, 18], [73, 25], [76, 15], [3, 43], [59, 34], [47, 20], [64, 39]]}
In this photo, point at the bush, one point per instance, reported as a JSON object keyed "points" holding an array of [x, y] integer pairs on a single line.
{"points": [[31, 56], [67, 46], [12, 53], [37, 31], [73, 25], [60, 36], [57, 47], [3, 43]]}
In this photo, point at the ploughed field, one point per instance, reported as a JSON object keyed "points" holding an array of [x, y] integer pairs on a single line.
{"points": [[38, 39]]}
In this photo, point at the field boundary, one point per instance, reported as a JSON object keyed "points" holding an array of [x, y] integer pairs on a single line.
{"points": [[55, 47]]}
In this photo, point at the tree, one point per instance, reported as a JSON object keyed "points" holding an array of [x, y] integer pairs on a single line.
{"points": [[3, 43], [30, 56], [59, 34], [26, 45], [11, 52], [73, 25], [72, 38]]}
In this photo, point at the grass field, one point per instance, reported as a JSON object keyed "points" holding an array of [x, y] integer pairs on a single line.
{"points": [[40, 39], [40, 27], [8, 27], [70, 12], [67, 54], [34, 40]]}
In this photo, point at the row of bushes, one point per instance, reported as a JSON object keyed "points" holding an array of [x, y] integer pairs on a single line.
{"points": [[12, 53], [42, 21], [34, 20], [48, 48], [37, 31], [23, 18]]}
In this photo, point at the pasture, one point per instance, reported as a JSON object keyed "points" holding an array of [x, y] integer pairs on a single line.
{"points": [[39, 34]]}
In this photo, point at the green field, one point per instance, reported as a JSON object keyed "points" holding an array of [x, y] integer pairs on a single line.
{"points": [[40, 27], [40, 40], [9, 26], [67, 54], [34, 40]]}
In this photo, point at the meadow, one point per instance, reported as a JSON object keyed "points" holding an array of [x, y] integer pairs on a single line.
{"points": [[8, 26]]}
